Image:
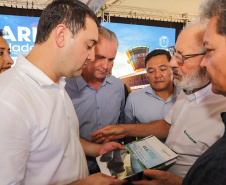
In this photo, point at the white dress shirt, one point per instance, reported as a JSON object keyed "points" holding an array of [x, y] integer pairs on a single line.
{"points": [[196, 124], [39, 129]]}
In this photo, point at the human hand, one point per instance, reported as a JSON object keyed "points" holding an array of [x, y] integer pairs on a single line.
{"points": [[100, 178], [106, 147], [159, 178], [109, 133]]}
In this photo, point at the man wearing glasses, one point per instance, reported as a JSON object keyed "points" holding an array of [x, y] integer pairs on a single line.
{"points": [[189, 77], [188, 126]]}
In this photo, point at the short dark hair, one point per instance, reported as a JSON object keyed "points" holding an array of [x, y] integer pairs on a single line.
{"points": [[72, 13], [1, 33], [157, 52]]}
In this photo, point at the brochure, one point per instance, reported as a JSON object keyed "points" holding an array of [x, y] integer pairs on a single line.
{"points": [[146, 153]]}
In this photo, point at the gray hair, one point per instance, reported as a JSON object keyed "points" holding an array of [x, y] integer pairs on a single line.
{"points": [[107, 34], [199, 34], [211, 8]]}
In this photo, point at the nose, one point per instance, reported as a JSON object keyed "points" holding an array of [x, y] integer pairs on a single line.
{"points": [[158, 73], [204, 61], [105, 63], [8, 60], [91, 55], [173, 63]]}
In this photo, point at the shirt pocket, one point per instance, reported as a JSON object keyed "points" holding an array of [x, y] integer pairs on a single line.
{"points": [[192, 144]]}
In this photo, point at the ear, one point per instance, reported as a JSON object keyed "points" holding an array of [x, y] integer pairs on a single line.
{"points": [[60, 35]]}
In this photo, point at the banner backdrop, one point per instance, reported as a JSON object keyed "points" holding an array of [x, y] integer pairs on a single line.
{"points": [[130, 35], [20, 33]]}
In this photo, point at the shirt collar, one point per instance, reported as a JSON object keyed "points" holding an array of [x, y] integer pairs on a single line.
{"points": [[82, 83], [107, 79], [35, 73], [149, 90], [176, 91], [199, 95]]}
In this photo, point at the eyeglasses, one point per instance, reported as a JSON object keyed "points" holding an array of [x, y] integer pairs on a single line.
{"points": [[179, 57]]}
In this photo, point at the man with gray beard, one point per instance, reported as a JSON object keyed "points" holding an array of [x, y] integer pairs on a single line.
{"points": [[188, 126], [189, 77], [191, 81]]}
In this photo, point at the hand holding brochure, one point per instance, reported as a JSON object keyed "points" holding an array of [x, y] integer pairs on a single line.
{"points": [[147, 153]]}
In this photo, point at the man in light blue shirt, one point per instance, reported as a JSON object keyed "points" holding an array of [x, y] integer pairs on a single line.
{"points": [[97, 96], [154, 101]]}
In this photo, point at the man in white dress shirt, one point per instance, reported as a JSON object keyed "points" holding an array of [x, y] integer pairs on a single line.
{"points": [[39, 129]]}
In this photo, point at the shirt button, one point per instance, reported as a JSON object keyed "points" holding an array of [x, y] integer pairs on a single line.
{"points": [[98, 107], [99, 124]]}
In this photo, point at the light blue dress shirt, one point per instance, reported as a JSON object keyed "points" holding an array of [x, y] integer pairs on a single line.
{"points": [[144, 106], [96, 108]]}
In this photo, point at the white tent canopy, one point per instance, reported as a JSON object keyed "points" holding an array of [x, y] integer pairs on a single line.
{"points": [[95, 5], [167, 10]]}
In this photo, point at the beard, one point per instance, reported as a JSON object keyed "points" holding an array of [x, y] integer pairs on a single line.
{"points": [[192, 81]]}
